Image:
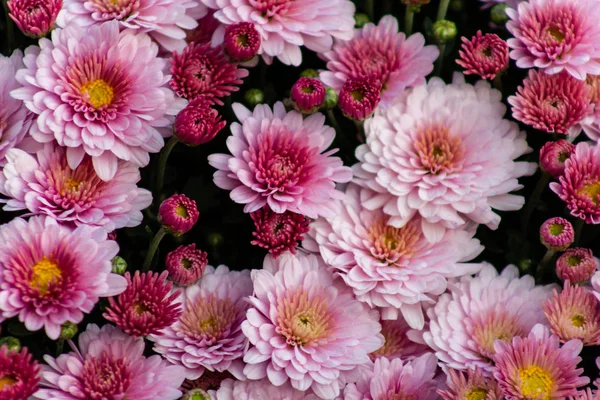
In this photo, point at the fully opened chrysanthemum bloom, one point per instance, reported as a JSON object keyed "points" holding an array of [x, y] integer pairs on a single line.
{"points": [[553, 156], [278, 233], [19, 374], [280, 159], [109, 364], [537, 367], [576, 265], [263, 389], [45, 184], [556, 35], [380, 52], [164, 20], [591, 124], [208, 335], [203, 33], [50, 274], [305, 328], [446, 153], [396, 379], [574, 314], [397, 344], [35, 18], [105, 94], [285, 25], [186, 265], [466, 321], [483, 55], [579, 186], [396, 269], [472, 385]]}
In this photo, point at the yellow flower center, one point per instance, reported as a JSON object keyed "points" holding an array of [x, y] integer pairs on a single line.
{"points": [[578, 320], [181, 211], [476, 394], [389, 244], [45, 273], [536, 383], [303, 320], [592, 191], [98, 92], [556, 229], [7, 380], [71, 184], [556, 34]]}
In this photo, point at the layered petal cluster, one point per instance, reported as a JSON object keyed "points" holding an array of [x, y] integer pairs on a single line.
{"points": [[51, 274], [483, 55], [395, 269], [19, 374], [208, 334], [280, 159], [44, 183], [109, 364], [446, 153], [35, 18], [397, 343], [285, 25], [380, 52], [470, 385], [263, 389], [100, 92], [305, 328], [475, 312]]}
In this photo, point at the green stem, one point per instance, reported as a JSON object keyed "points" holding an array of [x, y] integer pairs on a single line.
{"points": [[60, 344], [152, 249], [333, 121], [542, 266], [162, 163], [534, 200], [409, 16], [578, 228], [443, 9], [370, 9], [440, 61], [10, 37], [497, 82]]}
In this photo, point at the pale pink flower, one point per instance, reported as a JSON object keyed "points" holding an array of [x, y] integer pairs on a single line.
{"points": [[472, 385], [446, 153], [397, 343], [258, 390], [280, 159]]}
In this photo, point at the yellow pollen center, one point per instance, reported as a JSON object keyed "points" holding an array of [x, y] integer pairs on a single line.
{"points": [[556, 34], [7, 380], [72, 184], [208, 323], [45, 273], [536, 383], [389, 244], [303, 320], [476, 394], [592, 191], [438, 149], [98, 92], [578, 320], [140, 308], [181, 211]]}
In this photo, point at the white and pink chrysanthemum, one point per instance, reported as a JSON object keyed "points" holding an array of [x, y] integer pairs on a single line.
{"points": [[208, 335], [395, 269], [466, 321], [396, 379], [166, 21], [383, 53], [231, 389], [446, 153], [285, 25], [45, 184], [305, 328], [280, 159], [556, 35], [397, 343], [50, 274], [537, 367], [99, 92], [109, 364], [15, 118]]}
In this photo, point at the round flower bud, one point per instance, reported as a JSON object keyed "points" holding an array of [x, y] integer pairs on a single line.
{"points": [[498, 14], [215, 239], [119, 265], [186, 265], [12, 343], [331, 98], [483, 55], [553, 156], [35, 18], [308, 95], [196, 394], [178, 214], [360, 20], [576, 265], [309, 73], [254, 97], [359, 97], [557, 234], [444, 31], [241, 41], [198, 123], [68, 330]]}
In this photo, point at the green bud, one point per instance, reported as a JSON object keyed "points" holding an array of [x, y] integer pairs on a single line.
{"points": [[525, 265], [498, 14], [196, 394], [215, 239], [119, 265], [68, 330], [360, 20], [331, 98], [11, 342], [456, 5], [444, 31], [309, 73], [254, 97]]}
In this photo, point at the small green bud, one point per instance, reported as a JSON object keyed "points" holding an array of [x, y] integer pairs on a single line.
{"points": [[196, 394], [309, 73], [11, 342], [215, 239], [456, 5], [254, 97], [331, 98], [525, 265], [498, 14], [444, 31], [360, 20], [119, 265], [68, 330]]}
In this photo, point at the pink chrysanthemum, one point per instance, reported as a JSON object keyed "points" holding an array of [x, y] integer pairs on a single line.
{"points": [[430, 154], [466, 321], [587, 395], [280, 159], [308, 94], [579, 186], [557, 234], [285, 25], [50, 274], [35, 18], [397, 344], [45, 184], [147, 305], [242, 41], [178, 214], [299, 317], [263, 389], [202, 70], [396, 269], [198, 122], [278, 233], [483, 55], [208, 335], [556, 35], [383, 53], [396, 379], [104, 94], [15, 119], [203, 33], [551, 103], [359, 97], [472, 385], [164, 20], [186, 265], [553, 156], [576, 265], [591, 124], [209, 381], [574, 314], [537, 367], [109, 364], [19, 374]]}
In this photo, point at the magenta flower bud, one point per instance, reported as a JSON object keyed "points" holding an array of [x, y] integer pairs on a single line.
{"points": [[278, 233], [553, 156], [557, 234], [308, 94], [242, 41], [359, 97], [186, 265], [35, 18], [576, 265], [198, 123], [178, 214], [483, 55]]}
